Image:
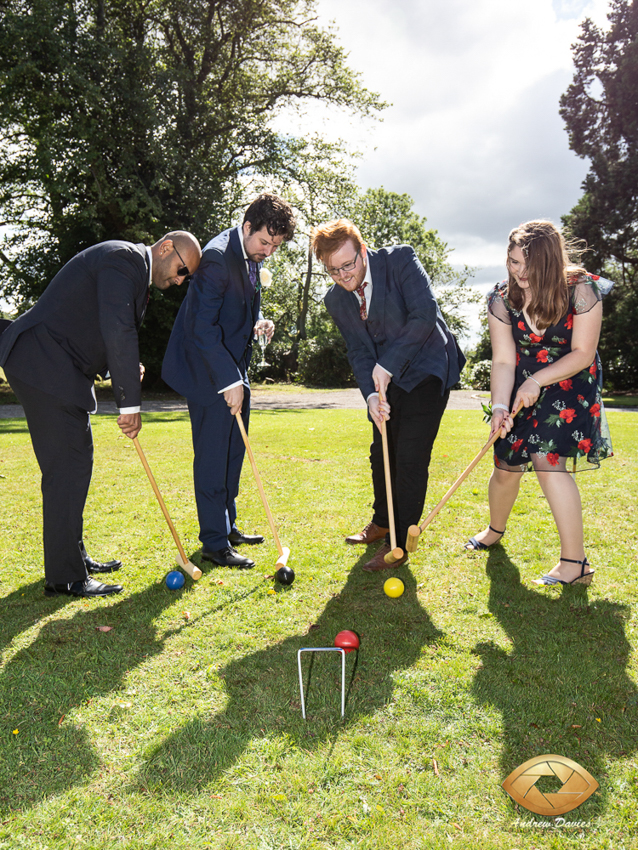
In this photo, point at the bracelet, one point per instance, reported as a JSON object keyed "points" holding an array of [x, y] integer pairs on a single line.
{"points": [[532, 378], [498, 406]]}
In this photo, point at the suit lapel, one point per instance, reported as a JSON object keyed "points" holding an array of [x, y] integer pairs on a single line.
{"points": [[378, 271]]}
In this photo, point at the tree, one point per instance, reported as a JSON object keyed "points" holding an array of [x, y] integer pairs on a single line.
{"points": [[600, 109], [125, 119]]}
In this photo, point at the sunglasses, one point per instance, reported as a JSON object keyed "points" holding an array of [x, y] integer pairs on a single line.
{"points": [[183, 271]]}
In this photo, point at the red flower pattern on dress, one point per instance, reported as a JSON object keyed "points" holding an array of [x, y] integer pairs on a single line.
{"points": [[585, 446], [553, 458], [569, 414], [517, 445], [569, 322], [595, 410], [518, 358], [592, 369], [521, 326], [566, 385], [535, 338], [542, 355], [535, 423], [581, 398]]}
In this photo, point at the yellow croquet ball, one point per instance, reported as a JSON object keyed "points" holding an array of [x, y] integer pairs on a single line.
{"points": [[393, 587]]}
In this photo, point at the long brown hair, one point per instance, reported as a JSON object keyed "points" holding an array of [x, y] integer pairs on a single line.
{"points": [[549, 271]]}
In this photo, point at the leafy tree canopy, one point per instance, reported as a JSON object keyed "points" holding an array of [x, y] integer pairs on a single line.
{"points": [[600, 109], [121, 118]]}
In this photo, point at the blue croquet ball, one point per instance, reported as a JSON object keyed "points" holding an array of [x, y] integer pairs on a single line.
{"points": [[285, 575], [175, 580]]}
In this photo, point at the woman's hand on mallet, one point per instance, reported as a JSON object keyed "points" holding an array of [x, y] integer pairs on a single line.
{"points": [[527, 394]]}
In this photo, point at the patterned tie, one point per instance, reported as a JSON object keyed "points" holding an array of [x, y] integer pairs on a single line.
{"points": [[254, 277], [362, 306]]}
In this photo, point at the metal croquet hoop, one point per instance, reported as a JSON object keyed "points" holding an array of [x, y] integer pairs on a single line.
{"points": [[343, 673]]}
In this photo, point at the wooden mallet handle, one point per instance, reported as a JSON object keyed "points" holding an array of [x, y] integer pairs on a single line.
{"points": [[415, 530], [395, 554], [190, 568], [283, 553]]}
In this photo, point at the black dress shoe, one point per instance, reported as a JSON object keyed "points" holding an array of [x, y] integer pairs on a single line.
{"points": [[237, 537], [227, 557], [95, 567], [87, 588]]}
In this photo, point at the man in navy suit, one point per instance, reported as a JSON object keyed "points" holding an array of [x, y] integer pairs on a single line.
{"points": [[85, 324], [399, 347], [207, 361]]}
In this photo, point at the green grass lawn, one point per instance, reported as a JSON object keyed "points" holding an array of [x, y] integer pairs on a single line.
{"points": [[181, 727]]}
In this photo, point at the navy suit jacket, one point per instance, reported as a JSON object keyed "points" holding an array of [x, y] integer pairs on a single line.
{"points": [[405, 331], [84, 324], [211, 341]]}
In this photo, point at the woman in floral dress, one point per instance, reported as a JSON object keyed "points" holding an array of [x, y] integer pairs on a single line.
{"points": [[544, 326]]}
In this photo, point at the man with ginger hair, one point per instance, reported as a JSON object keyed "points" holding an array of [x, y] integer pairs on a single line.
{"points": [[404, 359], [85, 324]]}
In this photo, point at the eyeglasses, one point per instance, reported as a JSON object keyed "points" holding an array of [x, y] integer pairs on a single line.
{"points": [[346, 267], [183, 271]]}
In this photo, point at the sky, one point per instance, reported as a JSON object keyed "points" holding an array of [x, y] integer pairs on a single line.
{"points": [[473, 133]]}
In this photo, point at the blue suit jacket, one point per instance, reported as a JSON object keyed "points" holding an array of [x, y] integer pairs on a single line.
{"points": [[405, 333], [85, 323], [211, 341]]}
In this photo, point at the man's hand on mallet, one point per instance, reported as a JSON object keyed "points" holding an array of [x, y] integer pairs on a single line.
{"points": [[381, 380], [379, 410], [130, 423], [234, 398]]}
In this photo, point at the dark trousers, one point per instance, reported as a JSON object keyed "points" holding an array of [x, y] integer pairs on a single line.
{"points": [[414, 423], [219, 454], [63, 445]]}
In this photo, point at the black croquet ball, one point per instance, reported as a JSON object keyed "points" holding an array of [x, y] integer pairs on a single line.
{"points": [[285, 575]]}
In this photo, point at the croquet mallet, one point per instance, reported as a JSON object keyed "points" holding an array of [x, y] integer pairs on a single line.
{"points": [[396, 553], [284, 552], [182, 561], [414, 531]]}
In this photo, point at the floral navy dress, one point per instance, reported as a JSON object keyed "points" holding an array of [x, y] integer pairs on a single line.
{"points": [[568, 421]]}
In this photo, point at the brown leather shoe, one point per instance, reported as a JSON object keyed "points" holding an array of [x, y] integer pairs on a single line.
{"points": [[370, 534], [378, 562]]}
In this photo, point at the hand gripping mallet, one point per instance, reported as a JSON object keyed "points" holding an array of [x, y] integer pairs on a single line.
{"points": [[396, 553], [192, 569], [284, 552], [414, 531]]}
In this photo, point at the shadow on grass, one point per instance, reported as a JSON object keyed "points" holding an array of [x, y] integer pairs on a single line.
{"points": [[563, 687], [67, 664], [263, 687]]}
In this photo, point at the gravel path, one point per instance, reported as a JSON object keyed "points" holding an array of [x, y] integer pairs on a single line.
{"points": [[263, 399]]}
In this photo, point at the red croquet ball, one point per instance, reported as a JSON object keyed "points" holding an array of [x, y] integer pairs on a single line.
{"points": [[347, 640]]}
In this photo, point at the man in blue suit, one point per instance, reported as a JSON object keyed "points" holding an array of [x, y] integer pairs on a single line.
{"points": [[207, 361], [85, 323], [399, 348]]}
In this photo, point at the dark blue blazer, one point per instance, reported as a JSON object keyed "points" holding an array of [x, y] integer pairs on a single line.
{"points": [[84, 324], [211, 341], [405, 331]]}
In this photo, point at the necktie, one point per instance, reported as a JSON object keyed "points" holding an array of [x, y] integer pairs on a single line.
{"points": [[362, 306], [253, 276]]}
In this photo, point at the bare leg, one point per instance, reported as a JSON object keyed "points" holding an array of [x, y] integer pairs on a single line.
{"points": [[561, 492], [502, 491]]}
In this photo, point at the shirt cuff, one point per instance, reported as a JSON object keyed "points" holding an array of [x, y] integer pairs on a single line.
{"points": [[385, 370], [130, 410], [370, 396], [231, 387]]}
